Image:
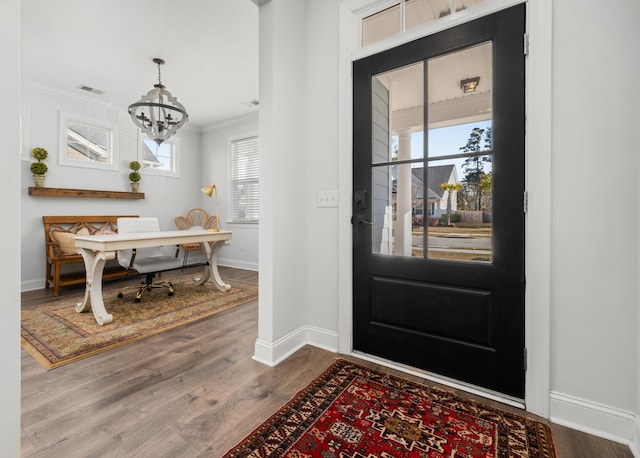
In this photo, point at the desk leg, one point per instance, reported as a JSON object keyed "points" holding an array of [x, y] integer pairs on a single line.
{"points": [[211, 270], [94, 266]]}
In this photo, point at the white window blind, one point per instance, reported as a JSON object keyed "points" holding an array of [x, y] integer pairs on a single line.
{"points": [[245, 171]]}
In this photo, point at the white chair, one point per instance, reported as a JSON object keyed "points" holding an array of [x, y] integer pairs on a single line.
{"points": [[147, 261]]}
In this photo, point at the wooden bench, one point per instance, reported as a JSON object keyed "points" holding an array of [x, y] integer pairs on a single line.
{"points": [[60, 247]]}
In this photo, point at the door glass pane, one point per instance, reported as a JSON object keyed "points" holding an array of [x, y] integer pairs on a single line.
{"points": [[398, 149], [394, 210], [398, 113], [418, 12], [388, 22], [381, 211], [381, 25], [460, 155], [448, 207]]}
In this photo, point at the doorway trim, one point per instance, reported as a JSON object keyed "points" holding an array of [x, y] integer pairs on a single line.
{"points": [[537, 173]]}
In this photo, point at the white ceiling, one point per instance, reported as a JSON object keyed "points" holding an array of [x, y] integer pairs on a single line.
{"points": [[210, 48]]}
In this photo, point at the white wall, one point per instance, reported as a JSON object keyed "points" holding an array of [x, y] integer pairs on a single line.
{"points": [[322, 154], [10, 210], [284, 204], [165, 197], [594, 261], [215, 167]]}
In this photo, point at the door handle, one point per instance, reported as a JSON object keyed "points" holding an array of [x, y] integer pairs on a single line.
{"points": [[359, 220]]}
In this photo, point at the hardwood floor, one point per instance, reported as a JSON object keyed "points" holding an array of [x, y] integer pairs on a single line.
{"points": [[190, 392]]}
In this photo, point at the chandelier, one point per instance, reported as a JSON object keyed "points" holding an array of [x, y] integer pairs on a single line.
{"points": [[158, 113]]}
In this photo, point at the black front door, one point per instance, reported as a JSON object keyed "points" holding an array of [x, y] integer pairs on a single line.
{"points": [[438, 217]]}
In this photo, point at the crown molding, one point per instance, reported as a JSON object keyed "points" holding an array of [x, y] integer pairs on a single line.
{"points": [[82, 98], [67, 94], [231, 123]]}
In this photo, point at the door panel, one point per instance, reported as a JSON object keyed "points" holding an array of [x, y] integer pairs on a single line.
{"points": [[444, 296], [434, 310]]}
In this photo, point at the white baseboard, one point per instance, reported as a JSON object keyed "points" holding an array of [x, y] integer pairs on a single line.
{"points": [[31, 285], [600, 420], [635, 444], [274, 353], [238, 264]]}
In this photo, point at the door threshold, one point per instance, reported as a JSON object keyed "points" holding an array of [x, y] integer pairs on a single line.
{"points": [[485, 393]]}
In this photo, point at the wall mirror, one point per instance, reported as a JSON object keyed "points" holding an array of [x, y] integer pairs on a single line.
{"points": [[86, 142]]}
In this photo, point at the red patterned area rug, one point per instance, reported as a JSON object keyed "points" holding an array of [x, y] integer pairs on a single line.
{"points": [[352, 411]]}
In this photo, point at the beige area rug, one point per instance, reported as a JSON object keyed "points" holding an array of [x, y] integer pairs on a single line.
{"points": [[55, 334]]}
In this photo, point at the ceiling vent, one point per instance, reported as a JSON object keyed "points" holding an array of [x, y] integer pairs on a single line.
{"points": [[90, 89]]}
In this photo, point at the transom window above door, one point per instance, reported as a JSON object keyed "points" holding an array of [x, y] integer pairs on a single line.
{"points": [[400, 16]]}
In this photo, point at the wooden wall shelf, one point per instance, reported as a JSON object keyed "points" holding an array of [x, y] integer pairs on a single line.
{"points": [[63, 192]]}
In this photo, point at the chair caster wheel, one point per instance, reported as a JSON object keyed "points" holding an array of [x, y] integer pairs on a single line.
{"points": [[170, 293], [136, 299], [120, 295]]}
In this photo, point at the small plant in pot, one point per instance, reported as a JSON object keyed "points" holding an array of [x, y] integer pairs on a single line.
{"points": [[39, 169], [134, 177]]}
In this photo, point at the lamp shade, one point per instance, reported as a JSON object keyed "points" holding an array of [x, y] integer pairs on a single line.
{"points": [[208, 189]]}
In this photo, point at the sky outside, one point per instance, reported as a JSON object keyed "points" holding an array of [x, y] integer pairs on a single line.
{"points": [[446, 141]]}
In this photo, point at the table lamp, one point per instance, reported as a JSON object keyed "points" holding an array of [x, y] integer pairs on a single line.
{"points": [[210, 190]]}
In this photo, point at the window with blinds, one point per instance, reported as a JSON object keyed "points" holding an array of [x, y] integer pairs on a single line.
{"points": [[245, 171]]}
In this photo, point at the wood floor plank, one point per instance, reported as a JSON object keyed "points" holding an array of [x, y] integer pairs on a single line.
{"points": [[570, 443], [193, 391]]}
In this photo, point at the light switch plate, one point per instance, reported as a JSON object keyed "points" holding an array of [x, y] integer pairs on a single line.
{"points": [[328, 199]]}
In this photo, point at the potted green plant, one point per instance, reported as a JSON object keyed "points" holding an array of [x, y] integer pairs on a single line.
{"points": [[134, 177], [39, 169]]}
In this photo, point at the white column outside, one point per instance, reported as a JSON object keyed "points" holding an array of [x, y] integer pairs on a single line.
{"points": [[402, 229]]}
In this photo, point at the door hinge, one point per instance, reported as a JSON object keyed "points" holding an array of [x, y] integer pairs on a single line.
{"points": [[525, 201], [525, 359], [525, 44]]}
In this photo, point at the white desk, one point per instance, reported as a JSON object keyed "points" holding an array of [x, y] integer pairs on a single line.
{"points": [[96, 250]]}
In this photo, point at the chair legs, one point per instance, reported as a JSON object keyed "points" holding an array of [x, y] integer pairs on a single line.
{"points": [[148, 285]]}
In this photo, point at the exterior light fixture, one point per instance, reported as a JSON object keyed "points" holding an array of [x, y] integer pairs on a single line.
{"points": [[158, 113], [469, 85]]}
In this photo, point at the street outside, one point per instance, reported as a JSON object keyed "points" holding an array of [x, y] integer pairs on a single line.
{"points": [[455, 243]]}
